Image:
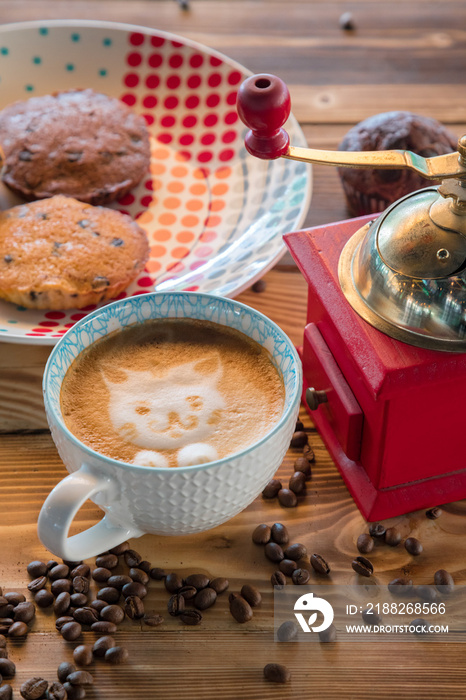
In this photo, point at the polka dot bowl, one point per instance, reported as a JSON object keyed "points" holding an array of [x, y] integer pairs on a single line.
{"points": [[214, 215]]}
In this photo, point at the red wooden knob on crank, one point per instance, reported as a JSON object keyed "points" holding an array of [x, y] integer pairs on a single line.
{"points": [[264, 106]]}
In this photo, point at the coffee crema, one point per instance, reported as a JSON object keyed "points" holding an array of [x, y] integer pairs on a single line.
{"points": [[172, 392]]}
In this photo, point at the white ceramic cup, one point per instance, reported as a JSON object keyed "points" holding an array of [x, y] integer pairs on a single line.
{"points": [[138, 500]]}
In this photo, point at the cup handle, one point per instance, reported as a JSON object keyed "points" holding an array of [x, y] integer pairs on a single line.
{"points": [[59, 511]]}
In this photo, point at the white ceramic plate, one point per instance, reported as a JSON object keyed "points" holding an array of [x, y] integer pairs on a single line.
{"points": [[214, 215]]}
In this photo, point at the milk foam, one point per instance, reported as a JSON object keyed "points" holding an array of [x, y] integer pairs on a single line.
{"points": [[178, 409]]}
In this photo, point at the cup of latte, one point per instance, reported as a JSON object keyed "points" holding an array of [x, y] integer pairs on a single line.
{"points": [[171, 411]]}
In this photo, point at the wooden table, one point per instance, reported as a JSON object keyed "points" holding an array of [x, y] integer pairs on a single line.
{"points": [[401, 55]]}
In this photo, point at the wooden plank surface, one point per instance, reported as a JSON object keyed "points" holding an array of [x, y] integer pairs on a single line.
{"points": [[401, 55]]}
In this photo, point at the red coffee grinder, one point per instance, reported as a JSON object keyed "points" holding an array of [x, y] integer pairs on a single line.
{"points": [[384, 348]]}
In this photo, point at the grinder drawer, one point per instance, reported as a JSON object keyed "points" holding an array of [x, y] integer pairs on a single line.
{"points": [[341, 410]]}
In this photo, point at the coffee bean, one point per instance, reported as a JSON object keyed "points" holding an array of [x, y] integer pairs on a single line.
{"points": [[444, 581], [300, 577], [33, 689], [413, 546], [288, 631], [173, 583], [56, 691], [101, 574], [37, 569], [274, 552], [392, 536], [61, 585], [6, 692], [188, 592], [6, 611], [64, 670], [363, 566], [139, 576], [365, 543], [24, 612], [78, 600], [81, 570], [118, 581], [18, 629], [199, 581], [74, 692], [83, 655], [400, 586], [134, 607], [434, 513], [328, 635], [377, 530], [104, 627], [116, 655], [277, 673], [7, 668], [86, 615], [80, 584], [98, 605], [120, 549], [287, 498], [219, 585], [110, 595], [251, 594], [272, 489], [297, 483], [295, 552], [6, 622], [303, 465], [308, 453], [59, 571], [37, 584], [427, 593], [102, 645], [71, 631], [319, 564], [261, 534], [191, 617], [420, 626], [145, 566], [278, 579], [51, 563], [81, 678], [2, 641], [60, 621], [62, 603], [113, 613], [132, 558], [44, 599], [279, 534], [14, 598], [240, 609], [107, 561], [175, 605], [287, 566], [156, 620], [3, 653], [71, 564], [129, 589], [205, 598], [370, 617], [157, 574], [299, 439]]}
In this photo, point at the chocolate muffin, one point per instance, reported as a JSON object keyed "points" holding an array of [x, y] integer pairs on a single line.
{"points": [[372, 191], [59, 253], [79, 143]]}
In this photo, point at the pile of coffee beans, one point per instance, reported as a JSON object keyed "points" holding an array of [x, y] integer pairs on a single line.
{"points": [[288, 497], [15, 614], [197, 590], [290, 558], [241, 604]]}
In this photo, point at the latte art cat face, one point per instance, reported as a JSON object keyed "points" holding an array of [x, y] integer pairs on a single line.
{"points": [[172, 393], [167, 412]]}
